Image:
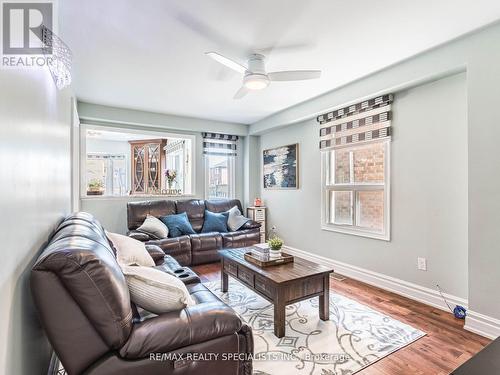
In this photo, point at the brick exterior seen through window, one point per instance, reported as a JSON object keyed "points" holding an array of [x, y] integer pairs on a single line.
{"points": [[359, 165]]}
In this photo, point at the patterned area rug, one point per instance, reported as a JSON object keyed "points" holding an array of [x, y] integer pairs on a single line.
{"points": [[355, 336]]}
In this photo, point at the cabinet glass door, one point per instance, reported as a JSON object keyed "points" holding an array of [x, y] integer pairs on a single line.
{"points": [[138, 183], [154, 177]]}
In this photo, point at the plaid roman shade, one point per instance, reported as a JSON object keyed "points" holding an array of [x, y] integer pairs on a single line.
{"points": [[220, 144], [360, 122]]}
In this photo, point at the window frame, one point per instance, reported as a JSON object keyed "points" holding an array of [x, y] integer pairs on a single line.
{"points": [[385, 186], [125, 129], [231, 177], [187, 155], [108, 159]]}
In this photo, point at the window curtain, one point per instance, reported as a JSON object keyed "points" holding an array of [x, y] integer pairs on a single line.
{"points": [[220, 144], [360, 122]]}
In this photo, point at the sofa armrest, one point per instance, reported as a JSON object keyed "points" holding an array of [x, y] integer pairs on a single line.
{"points": [[250, 224], [246, 346], [241, 238], [177, 247], [176, 329], [156, 253], [139, 236]]}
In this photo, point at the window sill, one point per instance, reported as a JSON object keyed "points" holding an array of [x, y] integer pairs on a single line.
{"points": [[126, 197], [357, 232]]}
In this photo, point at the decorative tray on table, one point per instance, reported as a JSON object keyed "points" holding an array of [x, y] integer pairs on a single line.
{"points": [[266, 261]]}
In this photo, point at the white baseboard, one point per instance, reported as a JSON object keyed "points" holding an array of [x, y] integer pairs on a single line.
{"points": [[474, 322], [407, 289], [482, 325]]}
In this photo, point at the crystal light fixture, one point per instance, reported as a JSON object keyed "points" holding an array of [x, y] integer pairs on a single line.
{"points": [[59, 58]]}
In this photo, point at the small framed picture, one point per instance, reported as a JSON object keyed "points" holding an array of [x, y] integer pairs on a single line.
{"points": [[281, 167]]}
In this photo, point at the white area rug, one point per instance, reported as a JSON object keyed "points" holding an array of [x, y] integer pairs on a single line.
{"points": [[354, 337]]}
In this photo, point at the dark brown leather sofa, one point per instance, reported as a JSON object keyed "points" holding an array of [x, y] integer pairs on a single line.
{"points": [[196, 248], [84, 305]]}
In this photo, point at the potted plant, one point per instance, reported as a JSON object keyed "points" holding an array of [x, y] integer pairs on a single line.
{"points": [[95, 187], [275, 243]]}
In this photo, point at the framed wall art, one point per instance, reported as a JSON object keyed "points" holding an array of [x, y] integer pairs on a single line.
{"points": [[281, 167]]}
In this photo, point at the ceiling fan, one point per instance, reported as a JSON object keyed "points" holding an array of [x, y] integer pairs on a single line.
{"points": [[255, 76]]}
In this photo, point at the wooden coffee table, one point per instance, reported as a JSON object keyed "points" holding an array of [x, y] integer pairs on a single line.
{"points": [[282, 285]]}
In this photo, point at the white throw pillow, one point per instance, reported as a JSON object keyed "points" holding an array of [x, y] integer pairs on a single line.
{"points": [[130, 251], [235, 219], [154, 227], [155, 290]]}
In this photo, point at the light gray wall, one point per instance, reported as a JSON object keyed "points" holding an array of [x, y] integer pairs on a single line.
{"points": [[477, 55], [483, 93], [429, 192], [111, 212], [34, 195], [95, 113], [251, 170]]}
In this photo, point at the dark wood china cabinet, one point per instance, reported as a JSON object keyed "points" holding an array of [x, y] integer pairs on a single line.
{"points": [[148, 163]]}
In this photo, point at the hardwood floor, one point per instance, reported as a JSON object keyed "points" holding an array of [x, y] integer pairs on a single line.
{"points": [[445, 346]]}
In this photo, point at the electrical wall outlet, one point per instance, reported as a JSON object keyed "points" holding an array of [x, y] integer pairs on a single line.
{"points": [[422, 264]]}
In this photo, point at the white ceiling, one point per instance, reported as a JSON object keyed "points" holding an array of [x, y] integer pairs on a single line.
{"points": [[149, 54]]}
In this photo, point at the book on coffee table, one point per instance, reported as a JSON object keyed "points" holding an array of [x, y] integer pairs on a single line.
{"points": [[261, 248]]}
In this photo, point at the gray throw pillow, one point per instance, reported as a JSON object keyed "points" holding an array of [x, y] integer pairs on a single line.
{"points": [[235, 219], [154, 227]]}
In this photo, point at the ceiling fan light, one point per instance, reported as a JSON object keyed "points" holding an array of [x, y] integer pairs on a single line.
{"points": [[256, 82]]}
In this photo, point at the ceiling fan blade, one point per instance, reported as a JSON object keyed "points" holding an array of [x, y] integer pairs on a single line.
{"points": [[283, 48], [240, 93], [294, 75], [227, 62]]}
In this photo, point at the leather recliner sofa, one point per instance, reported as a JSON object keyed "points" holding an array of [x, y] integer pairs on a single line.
{"points": [[196, 248], [84, 306]]}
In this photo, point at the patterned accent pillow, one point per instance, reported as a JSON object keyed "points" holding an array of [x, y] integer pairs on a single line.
{"points": [[156, 291], [130, 251], [236, 220], [154, 227], [178, 224], [215, 222]]}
